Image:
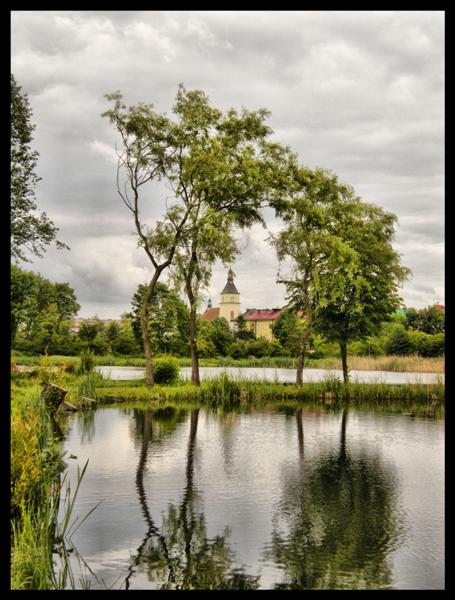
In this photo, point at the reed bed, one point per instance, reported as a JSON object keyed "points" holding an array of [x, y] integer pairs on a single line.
{"points": [[35, 464], [226, 390], [36, 481]]}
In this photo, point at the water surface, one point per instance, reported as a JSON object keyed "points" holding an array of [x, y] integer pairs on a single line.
{"points": [[269, 498], [283, 375]]}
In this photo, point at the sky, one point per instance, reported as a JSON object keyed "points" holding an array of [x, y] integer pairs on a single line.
{"points": [[360, 93]]}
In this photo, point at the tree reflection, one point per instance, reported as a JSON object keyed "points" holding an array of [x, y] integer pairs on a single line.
{"points": [[336, 523], [179, 554]]}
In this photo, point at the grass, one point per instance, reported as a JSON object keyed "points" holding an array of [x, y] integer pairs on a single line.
{"points": [[36, 467], [225, 390], [413, 363]]}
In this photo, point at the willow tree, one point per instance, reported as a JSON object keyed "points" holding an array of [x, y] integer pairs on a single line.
{"points": [[211, 161], [320, 260], [370, 295]]}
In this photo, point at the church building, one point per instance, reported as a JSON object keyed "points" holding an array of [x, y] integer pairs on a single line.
{"points": [[259, 321]]}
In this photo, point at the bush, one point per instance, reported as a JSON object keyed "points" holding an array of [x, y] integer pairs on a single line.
{"points": [[400, 343], [165, 369], [87, 362], [428, 345]]}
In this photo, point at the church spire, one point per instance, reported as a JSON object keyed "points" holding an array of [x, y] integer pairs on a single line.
{"points": [[230, 288]]}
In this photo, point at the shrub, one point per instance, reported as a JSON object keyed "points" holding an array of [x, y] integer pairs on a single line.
{"points": [[87, 362], [165, 369], [399, 343]]}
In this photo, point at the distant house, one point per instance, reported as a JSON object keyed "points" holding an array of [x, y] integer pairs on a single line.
{"points": [[440, 308], [260, 321]]}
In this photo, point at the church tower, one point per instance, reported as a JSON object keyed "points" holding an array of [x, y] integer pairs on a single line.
{"points": [[230, 300]]}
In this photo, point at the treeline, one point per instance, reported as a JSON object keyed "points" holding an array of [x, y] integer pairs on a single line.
{"points": [[42, 314], [41, 321]]}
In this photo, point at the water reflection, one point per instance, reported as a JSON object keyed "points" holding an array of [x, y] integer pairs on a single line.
{"points": [[179, 555], [337, 520], [282, 496]]}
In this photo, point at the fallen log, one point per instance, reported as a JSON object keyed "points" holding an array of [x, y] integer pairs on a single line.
{"points": [[68, 406], [87, 402], [53, 395]]}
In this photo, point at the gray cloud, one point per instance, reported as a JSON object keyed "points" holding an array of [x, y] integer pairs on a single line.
{"points": [[360, 93]]}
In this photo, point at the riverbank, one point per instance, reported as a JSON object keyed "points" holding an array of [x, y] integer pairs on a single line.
{"points": [[415, 364], [36, 463]]}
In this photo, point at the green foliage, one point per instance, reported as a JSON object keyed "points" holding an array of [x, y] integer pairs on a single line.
{"points": [[87, 362], [427, 345], [241, 331], [35, 458], [165, 369], [428, 320], [168, 320], [29, 231], [40, 313], [399, 342], [255, 348], [221, 168]]}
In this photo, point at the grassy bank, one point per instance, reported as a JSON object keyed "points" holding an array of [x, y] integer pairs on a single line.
{"points": [[416, 364], [228, 391], [37, 479], [35, 466]]}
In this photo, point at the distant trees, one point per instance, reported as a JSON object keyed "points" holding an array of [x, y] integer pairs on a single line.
{"points": [[428, 320], [29, 231], [41, 312], [168, 320]]}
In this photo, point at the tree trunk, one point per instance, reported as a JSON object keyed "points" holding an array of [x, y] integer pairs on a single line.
{"points": [[303, 341], [344, 361], [149, 381], [344, 420], [298, 416], [300, 363], [195, 380]]}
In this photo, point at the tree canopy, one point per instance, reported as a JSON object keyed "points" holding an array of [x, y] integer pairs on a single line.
{"points": [[221, 169], [30, 231]]}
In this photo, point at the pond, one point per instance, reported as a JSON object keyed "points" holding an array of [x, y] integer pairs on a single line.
{"points": [[282, 375], [264, 498]]}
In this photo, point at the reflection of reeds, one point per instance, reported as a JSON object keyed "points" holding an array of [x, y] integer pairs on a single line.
{"points": [[63, 529]]}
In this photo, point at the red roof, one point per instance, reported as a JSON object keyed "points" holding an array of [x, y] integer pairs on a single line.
{"points": [[261, 315], [210, 314], [440, 307]]}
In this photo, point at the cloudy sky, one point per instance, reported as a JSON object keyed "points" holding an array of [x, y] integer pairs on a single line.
{"points": [[360, 93]]}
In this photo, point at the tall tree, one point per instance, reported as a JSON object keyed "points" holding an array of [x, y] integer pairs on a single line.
{"points": [[29, 231], [370, 294], [228, 171], [210, 239], [319, 258], [210, 160]]}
